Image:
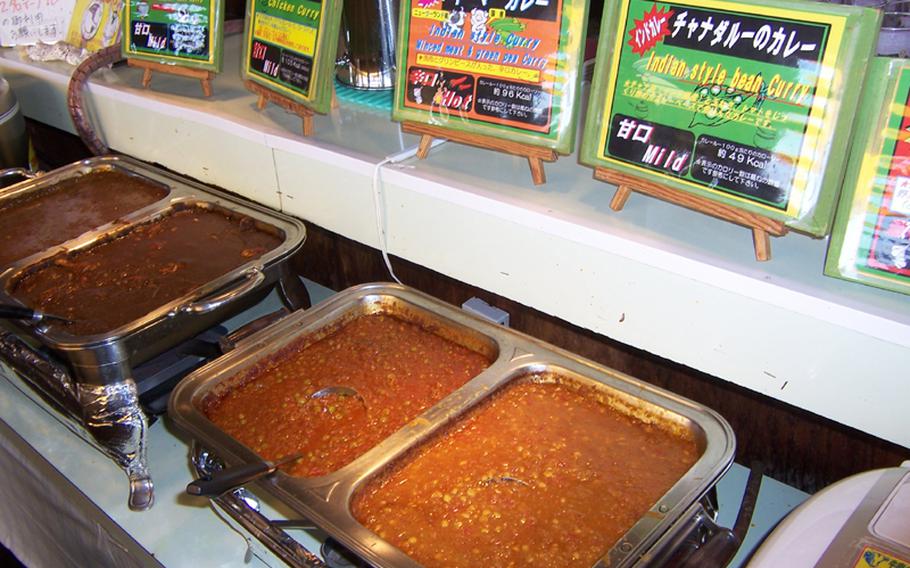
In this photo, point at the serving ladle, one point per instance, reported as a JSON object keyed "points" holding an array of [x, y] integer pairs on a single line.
{"points": [[338, 390], [502, 479], [231, 478], [9, 311]]}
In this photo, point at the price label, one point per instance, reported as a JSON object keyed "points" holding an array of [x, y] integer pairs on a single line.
{"points": [[264, 58]]}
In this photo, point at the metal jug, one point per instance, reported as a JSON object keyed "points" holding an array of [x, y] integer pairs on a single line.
{"points": [[368, 33], [13, 137]]}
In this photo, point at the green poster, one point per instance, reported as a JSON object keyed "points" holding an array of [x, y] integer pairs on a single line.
{"points": [[187, 33], [290, 47], [870, 242], [501, 68], [736, 101]]}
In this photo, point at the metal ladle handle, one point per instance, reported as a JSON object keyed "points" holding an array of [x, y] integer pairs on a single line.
{"points": [[233, 477], [228, 479], [10, 311]]}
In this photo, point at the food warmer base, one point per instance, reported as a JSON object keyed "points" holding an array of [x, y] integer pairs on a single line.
{"points": [[860, 521], [127, 409]]}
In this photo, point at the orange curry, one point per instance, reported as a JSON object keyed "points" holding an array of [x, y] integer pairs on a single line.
{"points": [[398, 368], [541, 474]]}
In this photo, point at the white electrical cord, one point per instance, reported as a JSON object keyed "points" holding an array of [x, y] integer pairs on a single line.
{"points": [[379, 201]]}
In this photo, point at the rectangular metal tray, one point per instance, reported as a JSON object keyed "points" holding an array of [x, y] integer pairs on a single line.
{"points": [[97, 358], [326, 500], [47, 183]]}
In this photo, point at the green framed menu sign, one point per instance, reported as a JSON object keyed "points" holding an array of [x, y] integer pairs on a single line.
{"points": [[749, 103], [499, 68], [289, 48], [870, 242], [188, 33]]}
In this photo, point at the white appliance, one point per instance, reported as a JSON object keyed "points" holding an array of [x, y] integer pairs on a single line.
{"points": [[860, 522]]}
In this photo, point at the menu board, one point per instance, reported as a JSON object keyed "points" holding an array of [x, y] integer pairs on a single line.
{"points": [[187, 33], [501, 68], [290, 48], [870, 242], [744, 102]]}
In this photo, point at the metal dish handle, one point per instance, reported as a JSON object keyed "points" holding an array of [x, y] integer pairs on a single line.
{"points": [[21, 172], [241, 506], [252, 278], [693, 541], [696, 540]]}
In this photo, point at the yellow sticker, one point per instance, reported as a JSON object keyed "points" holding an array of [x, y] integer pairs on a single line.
{"points": [[95, 24], [428, 14], [873, 558], [495, 14], [481, 67], [282, 32]]}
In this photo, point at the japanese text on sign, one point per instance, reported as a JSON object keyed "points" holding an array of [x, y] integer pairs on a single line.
{"points": [[33, 21], [719, 98], [742, 35]]}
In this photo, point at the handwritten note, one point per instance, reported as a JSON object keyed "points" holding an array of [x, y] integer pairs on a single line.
{"points": [[27, 22]]}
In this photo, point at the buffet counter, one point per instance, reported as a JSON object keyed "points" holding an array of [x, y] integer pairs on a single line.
{"points": [[64, 502], [654, 276]]}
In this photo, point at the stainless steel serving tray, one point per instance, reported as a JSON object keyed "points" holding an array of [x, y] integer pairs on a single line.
{"points": [[107, 357], [41, 184], [326, 500]]}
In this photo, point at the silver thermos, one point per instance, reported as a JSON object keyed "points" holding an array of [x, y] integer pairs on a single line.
{"points": [[13, 138], [368, 33]]}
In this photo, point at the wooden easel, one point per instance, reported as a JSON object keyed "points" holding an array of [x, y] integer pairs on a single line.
{"points": [[301, 110], [205, 77], [761, 226], [535, 154]]}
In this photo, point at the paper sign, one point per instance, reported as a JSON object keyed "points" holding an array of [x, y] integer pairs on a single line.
{"points": [[870, 242], [737, 101], [290, 48], [95, 24], [27, 22], [187, 33], [502, 68]]}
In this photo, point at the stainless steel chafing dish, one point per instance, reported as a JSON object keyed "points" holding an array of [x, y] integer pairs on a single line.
{"points": [[94, 372], [326, 500], [102, 358]]}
